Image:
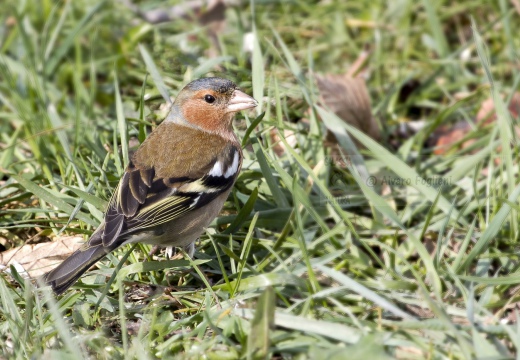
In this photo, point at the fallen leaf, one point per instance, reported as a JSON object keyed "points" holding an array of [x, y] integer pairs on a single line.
{"points": [[446, 136], [487, 115], [348, 98], [37, 259]]}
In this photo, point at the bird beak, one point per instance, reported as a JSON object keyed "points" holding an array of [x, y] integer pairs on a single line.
{"points": [[240, 101]]}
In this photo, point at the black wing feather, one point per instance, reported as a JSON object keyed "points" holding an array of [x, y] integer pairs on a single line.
{"points": [[128, 204], [147, 176], [138, 186]]}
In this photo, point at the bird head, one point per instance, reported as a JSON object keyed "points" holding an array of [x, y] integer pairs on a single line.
{"points": [[210, 103]]}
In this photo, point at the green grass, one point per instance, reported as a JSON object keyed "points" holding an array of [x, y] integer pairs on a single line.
{"points": [[308, 260]]}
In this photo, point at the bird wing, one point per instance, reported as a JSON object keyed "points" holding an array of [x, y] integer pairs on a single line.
{"points": [[143, 200]]}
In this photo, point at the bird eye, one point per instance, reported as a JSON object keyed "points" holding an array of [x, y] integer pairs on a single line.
{"points": [[210, 99]]}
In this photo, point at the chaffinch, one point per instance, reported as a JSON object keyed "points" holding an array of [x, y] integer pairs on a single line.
{"points": [[176, 182]]}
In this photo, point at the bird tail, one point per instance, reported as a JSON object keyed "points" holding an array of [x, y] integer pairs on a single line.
{"points": [[71, 269]]}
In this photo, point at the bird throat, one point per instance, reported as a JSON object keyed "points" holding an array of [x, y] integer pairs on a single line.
{"points": [[214, 122]]}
